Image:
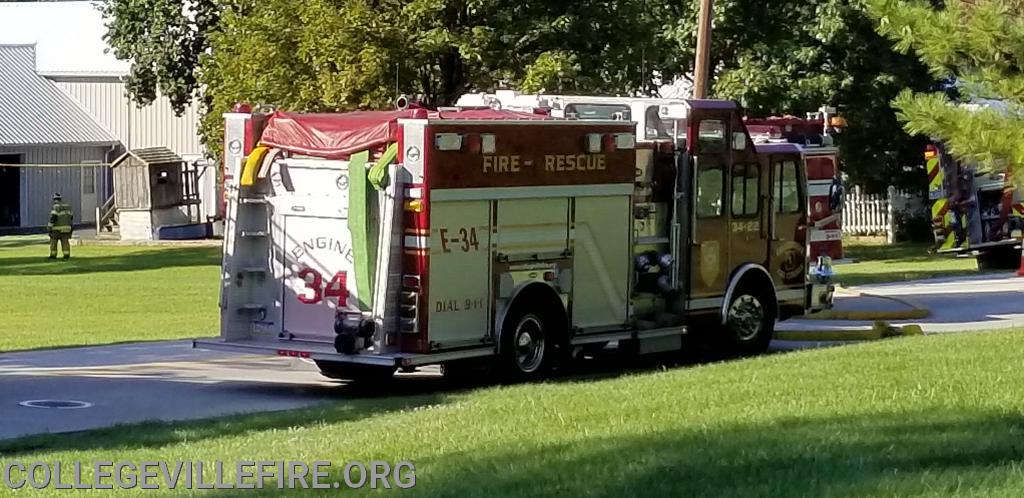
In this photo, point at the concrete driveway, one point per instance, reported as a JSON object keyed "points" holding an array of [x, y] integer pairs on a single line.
{"points": [[957, 304], [147, 381]]}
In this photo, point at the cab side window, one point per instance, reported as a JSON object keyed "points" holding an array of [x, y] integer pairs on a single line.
{"points": [[787, 187], [711, 137], [655, 127], [746, 190], [709, 191]]}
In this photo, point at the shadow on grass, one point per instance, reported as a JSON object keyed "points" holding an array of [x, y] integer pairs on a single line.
{"points": [[842, 456], [141, 259], [84, 344], [888, 454], [13, 242], [896, 275], [903, 251]]}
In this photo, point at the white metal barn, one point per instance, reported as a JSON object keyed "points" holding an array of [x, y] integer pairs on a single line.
{"points": [[40, 125], [70, 57]]}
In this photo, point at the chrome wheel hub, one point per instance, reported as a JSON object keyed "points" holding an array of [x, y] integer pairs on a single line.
{"points": [[529, 344], [746, 317]]}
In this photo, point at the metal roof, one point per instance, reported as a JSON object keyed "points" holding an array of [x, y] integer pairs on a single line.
{"points": [[151, 155], [68, 37], [34, 111]]}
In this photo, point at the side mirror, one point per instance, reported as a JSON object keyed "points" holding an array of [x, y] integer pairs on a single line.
{"points": [[836, 196], [739, 140]]}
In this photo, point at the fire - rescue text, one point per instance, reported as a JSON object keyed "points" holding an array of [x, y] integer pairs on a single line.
{"points": [[552, 163]]}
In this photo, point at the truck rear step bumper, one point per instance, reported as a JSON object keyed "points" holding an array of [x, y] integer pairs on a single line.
{"points": [[981, 246], [326, 352]]}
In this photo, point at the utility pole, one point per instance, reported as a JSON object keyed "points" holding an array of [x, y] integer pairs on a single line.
{"points": [[702, 67]]}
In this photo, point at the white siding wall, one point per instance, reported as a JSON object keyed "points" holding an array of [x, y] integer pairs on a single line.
{"points": [[155, 125], [38, 184]]}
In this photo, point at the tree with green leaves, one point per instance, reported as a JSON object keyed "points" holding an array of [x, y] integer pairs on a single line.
{"points": [[977, 45], [165, 40]]}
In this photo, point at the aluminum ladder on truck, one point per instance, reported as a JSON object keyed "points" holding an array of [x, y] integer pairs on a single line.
{"points": [[246, 263]]}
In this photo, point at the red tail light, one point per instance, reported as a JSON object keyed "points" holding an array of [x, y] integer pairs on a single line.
{"points": [[415, 258], [472, 143], [608, 143], [930, 151]]}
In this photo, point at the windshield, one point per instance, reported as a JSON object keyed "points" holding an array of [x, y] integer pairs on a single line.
{"points": [[597, 111]]}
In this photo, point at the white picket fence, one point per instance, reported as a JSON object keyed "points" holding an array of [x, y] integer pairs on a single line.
{"points": [[875, 214]]}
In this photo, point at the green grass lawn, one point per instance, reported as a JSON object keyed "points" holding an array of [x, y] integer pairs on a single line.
{"points": [[105, 294], [878, 262], [931, 416]]}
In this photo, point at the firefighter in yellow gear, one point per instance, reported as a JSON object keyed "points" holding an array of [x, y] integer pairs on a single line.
{"points": [[59, 227]]}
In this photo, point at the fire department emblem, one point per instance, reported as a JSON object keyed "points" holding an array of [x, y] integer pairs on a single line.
{"points": [[709, 261], [412, 154], [791, 261]]}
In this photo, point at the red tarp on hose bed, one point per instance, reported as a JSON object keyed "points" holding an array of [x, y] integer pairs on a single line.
{"points": [[337, 136]]}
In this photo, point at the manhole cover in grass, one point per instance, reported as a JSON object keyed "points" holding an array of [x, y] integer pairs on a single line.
{"points": [[62, 404]]}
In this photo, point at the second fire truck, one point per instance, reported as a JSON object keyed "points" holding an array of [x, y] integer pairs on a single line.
{"points": [[974, 212], [372, 241]]}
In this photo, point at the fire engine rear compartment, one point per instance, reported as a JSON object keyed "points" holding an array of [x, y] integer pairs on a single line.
{"points": [[432, 266]]}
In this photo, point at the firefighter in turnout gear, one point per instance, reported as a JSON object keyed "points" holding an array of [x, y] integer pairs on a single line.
{"points": [[59, 227]]}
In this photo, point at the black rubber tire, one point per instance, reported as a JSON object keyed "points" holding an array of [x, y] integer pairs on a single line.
{"points": [[360, 374], [520, 360], [740, 336]]}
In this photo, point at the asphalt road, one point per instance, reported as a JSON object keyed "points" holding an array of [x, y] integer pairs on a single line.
{"points": [[171, 381]]}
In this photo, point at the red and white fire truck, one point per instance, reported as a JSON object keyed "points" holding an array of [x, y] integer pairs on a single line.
{"points": [[372, 241]]}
